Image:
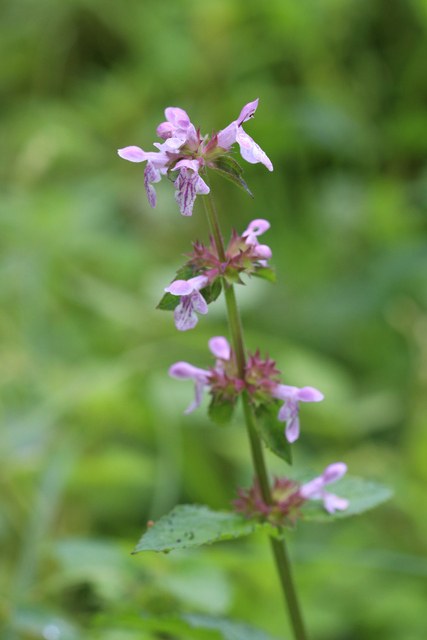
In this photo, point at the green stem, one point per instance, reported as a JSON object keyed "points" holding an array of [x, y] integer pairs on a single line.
{"points": [[278, 546]]}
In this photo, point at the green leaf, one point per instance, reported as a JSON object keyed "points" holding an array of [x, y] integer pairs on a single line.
{"points": [[362, 495], [169, 302], [266, 273], [272, 431], [188, 627], [228, 167], [221, 412], [193, 525], [211, 292]]}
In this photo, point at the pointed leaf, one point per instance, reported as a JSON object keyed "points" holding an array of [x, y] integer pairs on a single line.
{"points": [[212, 291], [169, 302], [272, 431], [193, 525], [267, 273], [228, 167], [221, 412]]}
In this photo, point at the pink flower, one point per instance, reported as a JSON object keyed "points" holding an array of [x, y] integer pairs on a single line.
{"points": [[249, 149], [184, 371], [314, 490], [156, 164], [292, 396], [188, 185], [191, 301], [256, 228], [204, 379], [185, 150]]}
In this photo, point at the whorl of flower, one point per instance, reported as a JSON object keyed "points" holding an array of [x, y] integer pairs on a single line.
{"points": [[184, 150], [283, 511], [261, 378], [288, 497], [243, 254]]}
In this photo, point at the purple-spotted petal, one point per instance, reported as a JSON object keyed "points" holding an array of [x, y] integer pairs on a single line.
{"points": [[151, 174], [220, 347], [133, 154], [309, 394], [186, 193], [184, 315]]}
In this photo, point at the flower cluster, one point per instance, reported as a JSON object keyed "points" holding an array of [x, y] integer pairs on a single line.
{"points": [[288, 497], [186, 152], [243, 254], [260, 380]]}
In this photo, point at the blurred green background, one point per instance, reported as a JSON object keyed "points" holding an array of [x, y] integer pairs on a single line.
{"points": [[93, 440]]}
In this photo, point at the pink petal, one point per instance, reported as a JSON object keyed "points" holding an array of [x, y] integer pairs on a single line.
{"points": [[332, 502], [184, 315], [185, 370], [165, 130], [220, 347], [309, 394], [251, 151], [257, 227], [133, 154], [180, 288], [199, 303], [334, 472], [262, 251], [247, 112], [292, 429], [284, 392]]}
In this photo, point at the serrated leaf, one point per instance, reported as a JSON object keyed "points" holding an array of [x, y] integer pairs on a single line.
{"points": [[266, 273], [230, 169], [221, 412], [272, 431], [362, 495], [193, 525]]}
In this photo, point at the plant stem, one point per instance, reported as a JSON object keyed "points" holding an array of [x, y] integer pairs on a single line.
{"points": [[278, 546]]}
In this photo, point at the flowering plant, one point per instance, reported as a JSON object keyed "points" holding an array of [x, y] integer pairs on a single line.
{"points": [[185, 156]]}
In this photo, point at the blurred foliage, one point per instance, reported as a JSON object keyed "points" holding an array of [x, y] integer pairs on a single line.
{"points": [[93, 441]]}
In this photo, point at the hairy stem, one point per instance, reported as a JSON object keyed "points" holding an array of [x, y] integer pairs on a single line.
{"points": [[278, 546]]}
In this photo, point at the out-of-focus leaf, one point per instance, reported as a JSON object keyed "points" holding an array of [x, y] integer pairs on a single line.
{"points": [[193, 525], [272, 431], [266, 273], [192, 627], [221, 412]]}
